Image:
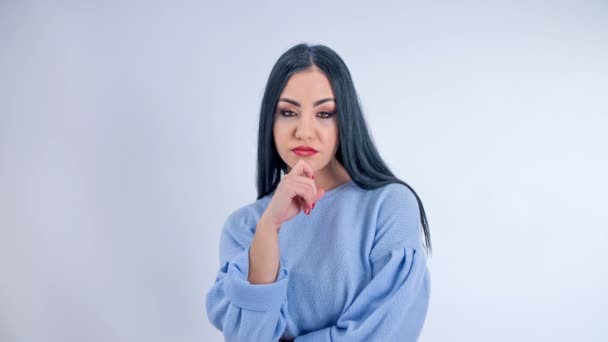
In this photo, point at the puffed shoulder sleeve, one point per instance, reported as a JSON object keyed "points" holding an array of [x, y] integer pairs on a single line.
{"points": [[393, 305], [241, 310]]}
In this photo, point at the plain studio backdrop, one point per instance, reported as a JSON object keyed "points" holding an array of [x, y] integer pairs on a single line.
{"points": [[128, 134]]}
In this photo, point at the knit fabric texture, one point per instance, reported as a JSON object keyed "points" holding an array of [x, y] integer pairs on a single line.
{"points": [[353, 270]]}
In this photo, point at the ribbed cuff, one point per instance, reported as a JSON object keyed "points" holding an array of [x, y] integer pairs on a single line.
{"points": [[255, 297]]}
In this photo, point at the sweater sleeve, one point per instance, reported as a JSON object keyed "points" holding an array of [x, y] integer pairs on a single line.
{"points": [[241, 310], [393, 305]]}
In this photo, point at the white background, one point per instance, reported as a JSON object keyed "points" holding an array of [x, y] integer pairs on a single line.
{"points": [[128, 133]]}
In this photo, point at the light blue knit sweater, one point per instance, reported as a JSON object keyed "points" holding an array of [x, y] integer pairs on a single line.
{"points": [[354, 270]]}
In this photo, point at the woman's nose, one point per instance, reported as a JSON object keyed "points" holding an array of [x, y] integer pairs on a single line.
{"points": [[305, 129]]}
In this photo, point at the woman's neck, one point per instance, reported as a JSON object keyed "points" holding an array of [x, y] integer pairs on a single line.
{"points": [[331, 176]]}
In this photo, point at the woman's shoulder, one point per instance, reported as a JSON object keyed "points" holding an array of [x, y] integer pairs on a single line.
{"points": [[392, 194], [396, 202], [397, 215], [247, 215]]}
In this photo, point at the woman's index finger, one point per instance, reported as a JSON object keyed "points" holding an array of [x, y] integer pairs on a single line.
{"points": [[304, 169]]}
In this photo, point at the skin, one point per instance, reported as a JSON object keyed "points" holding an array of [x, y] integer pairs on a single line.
{"points": [[300, 120], [310, 125]]}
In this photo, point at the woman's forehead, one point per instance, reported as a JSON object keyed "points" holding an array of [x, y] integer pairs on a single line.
{"points": [[308, 86]]}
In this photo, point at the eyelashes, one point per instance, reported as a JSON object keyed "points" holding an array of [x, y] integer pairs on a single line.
{"points": [[289, 113]]}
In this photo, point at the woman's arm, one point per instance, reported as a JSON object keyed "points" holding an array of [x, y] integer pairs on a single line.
{"points": [[244, 311], [394, 304], [248, 301], [264, 254], [392, 307]]}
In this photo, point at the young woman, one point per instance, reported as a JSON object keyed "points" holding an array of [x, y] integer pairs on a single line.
{"points": [[332, 249]]}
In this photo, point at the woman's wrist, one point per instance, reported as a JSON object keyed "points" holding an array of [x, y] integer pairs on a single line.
{"points": [[265, 225], [264, 254]]}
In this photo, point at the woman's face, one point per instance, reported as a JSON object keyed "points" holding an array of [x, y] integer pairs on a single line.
{"points": [[305, 116]]}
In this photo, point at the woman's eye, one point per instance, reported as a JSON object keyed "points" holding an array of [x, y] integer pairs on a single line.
{"points": [[289, 113], [326, 115]]}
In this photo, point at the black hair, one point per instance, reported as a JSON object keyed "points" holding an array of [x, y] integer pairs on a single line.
{"points": [[356, 150]]}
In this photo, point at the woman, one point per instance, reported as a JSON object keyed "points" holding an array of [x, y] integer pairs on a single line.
{"points": [[331, 250]]}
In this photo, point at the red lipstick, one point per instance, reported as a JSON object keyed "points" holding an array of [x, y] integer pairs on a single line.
{"points": [[304, 151]]}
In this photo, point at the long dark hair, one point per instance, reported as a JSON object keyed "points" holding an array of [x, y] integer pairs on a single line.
{"points": [[356, 150]]}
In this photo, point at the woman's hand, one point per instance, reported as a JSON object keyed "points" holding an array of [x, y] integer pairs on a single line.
{"points": [[296, 191]]}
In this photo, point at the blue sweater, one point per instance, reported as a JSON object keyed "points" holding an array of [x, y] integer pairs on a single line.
{"points": [[353, 270]]}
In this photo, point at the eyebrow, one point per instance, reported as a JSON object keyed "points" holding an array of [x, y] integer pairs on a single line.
{"points": [[297, 104]]}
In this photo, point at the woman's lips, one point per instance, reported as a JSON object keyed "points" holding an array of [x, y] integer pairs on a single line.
{"points": [[304, 153]]}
